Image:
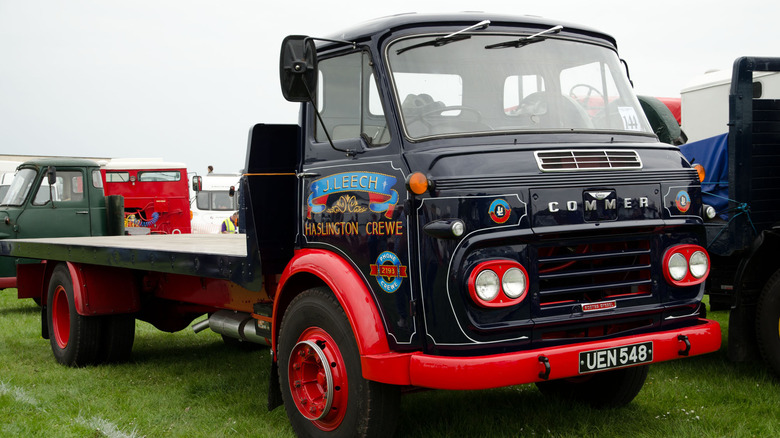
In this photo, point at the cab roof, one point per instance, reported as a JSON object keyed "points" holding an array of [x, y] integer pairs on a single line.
{"points": [[449, 20], [61, 162]]}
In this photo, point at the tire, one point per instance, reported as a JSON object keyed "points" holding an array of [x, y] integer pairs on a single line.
{"points": [[608, 389], [332, 400], [117, 334], [75, 339], [768, 323]]}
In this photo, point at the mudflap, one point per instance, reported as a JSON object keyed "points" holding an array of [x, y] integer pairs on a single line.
{"points": [[274, 392], [742, 345]]}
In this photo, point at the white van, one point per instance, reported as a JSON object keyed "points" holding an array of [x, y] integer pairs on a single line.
{"points": [[211, 203]]}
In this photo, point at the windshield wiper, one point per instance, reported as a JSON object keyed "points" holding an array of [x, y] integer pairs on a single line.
{"points": [[451, 38], [524, 41]]}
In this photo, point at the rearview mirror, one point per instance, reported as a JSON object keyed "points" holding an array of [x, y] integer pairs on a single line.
{"points": [[298, 68], [51, 175], [197, 183]]}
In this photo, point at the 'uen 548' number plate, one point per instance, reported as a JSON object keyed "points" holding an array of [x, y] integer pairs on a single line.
{"points": [[615, 357]]}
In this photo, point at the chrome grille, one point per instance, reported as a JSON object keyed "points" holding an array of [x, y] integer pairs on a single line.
{"points": [[592, 159]]}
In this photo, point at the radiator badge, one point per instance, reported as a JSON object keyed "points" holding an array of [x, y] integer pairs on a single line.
{"points": [[389, 271], [683, 201], [500, 211], [603, 305]]}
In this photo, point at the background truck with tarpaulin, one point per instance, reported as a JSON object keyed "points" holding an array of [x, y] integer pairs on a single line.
{"points": [[428, 223], [736, 121]]}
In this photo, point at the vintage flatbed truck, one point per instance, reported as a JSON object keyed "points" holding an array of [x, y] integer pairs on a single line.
{"points": [[468, 201]]}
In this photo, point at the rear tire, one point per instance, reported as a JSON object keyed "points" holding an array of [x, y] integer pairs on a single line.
{"points": [[606, 389], [768, 322], [323, 389], [75, 339]]}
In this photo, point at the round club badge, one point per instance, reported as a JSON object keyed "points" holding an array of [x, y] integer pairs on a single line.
{"points": [[499, 211], [683, 201]]}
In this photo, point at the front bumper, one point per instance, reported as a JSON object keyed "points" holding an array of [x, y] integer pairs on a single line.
{"points": [[482, 372]]}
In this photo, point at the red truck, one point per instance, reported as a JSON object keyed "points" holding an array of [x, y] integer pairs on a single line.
{"points": [[429, 223], [156, 195]]}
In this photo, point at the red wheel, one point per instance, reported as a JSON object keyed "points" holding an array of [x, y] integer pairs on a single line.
{"points": [[74, 338], [320, 377], [60, 316]]}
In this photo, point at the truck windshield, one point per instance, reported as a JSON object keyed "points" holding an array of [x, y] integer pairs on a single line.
{"points": [[482, 86], [20, 187]]}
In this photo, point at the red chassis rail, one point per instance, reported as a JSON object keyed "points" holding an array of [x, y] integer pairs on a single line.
{"points": [[444, 372]]}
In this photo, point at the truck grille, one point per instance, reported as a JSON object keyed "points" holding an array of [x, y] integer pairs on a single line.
{"points": [[593, 272], [568, 160]]}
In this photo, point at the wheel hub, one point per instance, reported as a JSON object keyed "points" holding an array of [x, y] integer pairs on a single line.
{"points": [[318, 379], [60, 319]]}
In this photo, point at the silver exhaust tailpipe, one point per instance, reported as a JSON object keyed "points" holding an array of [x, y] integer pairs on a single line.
{"points": [[237, 325]]}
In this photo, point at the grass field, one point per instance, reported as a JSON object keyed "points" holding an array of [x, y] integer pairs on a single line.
{"points": [[191, 385]]}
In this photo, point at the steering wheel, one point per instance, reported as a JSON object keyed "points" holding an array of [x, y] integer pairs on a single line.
{"points": [[585, 101]]}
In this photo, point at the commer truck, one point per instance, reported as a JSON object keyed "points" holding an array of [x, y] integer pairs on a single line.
{"points": [[468, 201]]}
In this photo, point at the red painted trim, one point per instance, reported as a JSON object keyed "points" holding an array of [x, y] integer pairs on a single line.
{"points": [[78, 292], [350, 290], [500, 267], [103, 290], [7, 282], [32, 280], [482, 372], [686, 251]]}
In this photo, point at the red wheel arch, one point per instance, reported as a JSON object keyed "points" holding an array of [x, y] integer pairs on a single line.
{"points": [[357, 301], [90, 283]]}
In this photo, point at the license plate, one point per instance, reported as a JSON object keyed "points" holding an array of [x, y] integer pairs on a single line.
{"points": [[615, 357]]}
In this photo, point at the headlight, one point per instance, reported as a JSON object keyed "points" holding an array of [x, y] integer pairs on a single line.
{"points": [[487, 285], [678, 266], [686, 265], [514, 283], [699, 264]]}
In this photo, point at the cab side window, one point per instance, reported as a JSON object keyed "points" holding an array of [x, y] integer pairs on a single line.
{"points": [[69, 187], [349, 102]]}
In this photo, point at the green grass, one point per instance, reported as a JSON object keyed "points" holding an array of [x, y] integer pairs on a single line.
{"points": [[191, 385]]}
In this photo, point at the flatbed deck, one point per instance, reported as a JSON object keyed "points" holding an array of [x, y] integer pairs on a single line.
{"points": [[206, 255]]}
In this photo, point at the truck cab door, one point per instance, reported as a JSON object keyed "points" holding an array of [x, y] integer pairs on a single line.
{"points": [[57, 210]]}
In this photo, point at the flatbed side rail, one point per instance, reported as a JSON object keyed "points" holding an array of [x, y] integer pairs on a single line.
{"points": [[210, 256]]}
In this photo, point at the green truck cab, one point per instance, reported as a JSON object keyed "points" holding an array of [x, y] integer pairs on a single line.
{"points": [[52, 197]]}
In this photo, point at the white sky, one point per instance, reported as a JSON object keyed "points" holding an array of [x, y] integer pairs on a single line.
{"points": [[184, 80]]}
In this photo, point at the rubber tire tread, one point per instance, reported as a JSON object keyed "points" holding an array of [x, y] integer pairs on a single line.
{"points": [[767, 319], [372, 407], [608, 389], [84, 337]]}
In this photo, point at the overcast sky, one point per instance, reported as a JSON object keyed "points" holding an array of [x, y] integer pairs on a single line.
{"points": [[184, 80]]}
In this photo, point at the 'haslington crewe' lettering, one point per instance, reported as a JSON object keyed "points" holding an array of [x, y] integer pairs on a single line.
{"points": [[609, 204]]}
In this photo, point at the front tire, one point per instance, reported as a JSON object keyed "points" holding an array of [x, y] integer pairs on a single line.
{"points": [[768, 322], [75, 339], [323, 390], [607, 389]]}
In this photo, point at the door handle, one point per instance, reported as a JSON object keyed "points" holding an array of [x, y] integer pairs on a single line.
{"points": [[82, 212]]}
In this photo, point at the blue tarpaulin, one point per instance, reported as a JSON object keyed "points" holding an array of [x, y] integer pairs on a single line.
{"points": [[712, 153]]}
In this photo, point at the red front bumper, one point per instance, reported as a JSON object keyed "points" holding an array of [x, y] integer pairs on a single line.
{"points": [[481, 372]]}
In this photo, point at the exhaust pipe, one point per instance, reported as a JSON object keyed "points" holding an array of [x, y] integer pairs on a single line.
{"points": [[237, 325]]}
